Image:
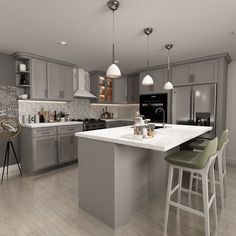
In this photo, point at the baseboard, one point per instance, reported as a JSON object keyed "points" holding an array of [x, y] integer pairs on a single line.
{"points": [[12, 170], [231, 160]]}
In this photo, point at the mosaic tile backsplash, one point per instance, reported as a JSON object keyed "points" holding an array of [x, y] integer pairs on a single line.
{"points": [[8, 101], [78, 108]]}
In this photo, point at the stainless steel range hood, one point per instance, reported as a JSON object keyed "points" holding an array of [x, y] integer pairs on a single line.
{"points": [[82, 84]]}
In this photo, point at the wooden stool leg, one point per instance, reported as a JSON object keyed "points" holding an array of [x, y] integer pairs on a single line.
{"points": [[205, 203], [190, 188], [169, 186], [179, 190], [16, 158], [213, 191], [225, 175], [5, 160], [221, 179]]}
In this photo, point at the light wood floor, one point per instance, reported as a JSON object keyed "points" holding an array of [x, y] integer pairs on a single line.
{"points": [[48, 205]]}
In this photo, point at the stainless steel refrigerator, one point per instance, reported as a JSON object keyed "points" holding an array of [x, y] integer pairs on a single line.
{"points": [[195, 105]]}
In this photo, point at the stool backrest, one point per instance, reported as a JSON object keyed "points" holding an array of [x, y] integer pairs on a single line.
{"points": [[209, 150], [223, 138]]}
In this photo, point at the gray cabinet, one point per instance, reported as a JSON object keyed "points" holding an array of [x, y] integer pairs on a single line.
{"points": [[42, 148], [120, 90], [159, 77], [44, 152], [54, 81], [38, 79], [133, 89], [67, 148], [195, 73], [118, 123], [66, 83]]}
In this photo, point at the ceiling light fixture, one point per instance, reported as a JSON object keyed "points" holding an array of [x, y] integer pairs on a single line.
{"points": [[113, 70], [63, 43], [168, 85], [147, 80]]}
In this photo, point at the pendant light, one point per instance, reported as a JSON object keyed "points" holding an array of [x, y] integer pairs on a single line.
{"points": [[147, 80], [168, 85], [113, 70]]}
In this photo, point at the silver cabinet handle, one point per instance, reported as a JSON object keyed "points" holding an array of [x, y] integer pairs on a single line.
{"points": [[46, 93]]}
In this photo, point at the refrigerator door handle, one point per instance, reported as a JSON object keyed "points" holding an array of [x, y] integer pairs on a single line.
{"points": [[193, 106]]}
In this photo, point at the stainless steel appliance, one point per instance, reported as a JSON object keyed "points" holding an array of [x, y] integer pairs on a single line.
{"points": [[195, 105], [92, 124], [149, 105]]}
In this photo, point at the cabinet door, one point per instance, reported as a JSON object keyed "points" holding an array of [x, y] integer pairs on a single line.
{"points": [[136, 90], [205, 72], [181, 75], [119, 90], [159, 78], [45, 152], [67, 148], [54, 81], [39, 79], [67, 83], [130, 90]]}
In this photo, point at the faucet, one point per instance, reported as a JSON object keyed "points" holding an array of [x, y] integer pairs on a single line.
{"points": [[163, 111]]}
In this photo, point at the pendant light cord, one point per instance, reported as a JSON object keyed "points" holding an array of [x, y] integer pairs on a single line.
{"points": [[113, 38], [168, 63], [148, 52]]}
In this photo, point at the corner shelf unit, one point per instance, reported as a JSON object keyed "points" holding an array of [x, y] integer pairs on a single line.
{"points": [[23, 78]]}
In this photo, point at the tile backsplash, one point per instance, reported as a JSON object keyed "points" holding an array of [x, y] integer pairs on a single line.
{"points": [[8, 101], [78, 108]]}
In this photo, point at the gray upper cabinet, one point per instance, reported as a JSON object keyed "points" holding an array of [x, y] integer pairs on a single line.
{"points": [[119, 90], [181, 74], [159, 77], [195, 73], [205, 72], [67, 83], [54, 81], [133, 89], [38, 79]]}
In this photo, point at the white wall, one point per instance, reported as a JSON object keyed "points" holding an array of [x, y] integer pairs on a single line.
{"points": [[231, 112]]}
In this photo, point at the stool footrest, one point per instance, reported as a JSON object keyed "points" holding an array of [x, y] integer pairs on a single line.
{"points": [[188, 209]]}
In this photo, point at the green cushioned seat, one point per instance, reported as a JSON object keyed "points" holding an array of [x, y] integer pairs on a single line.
{"points": [[191, 159]]}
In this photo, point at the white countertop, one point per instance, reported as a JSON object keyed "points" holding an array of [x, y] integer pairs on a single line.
{"points": [[164, 139], [42, 125]]}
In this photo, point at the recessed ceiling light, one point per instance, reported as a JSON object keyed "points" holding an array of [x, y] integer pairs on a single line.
{"points": [[63, 43], [116, 61]]}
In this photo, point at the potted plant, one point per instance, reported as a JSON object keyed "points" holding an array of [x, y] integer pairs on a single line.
{"points": [[62, 116]]}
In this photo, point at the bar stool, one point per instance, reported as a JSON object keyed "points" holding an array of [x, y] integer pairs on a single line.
{"points": [[193, 162], [9, 129], [221, 163]]}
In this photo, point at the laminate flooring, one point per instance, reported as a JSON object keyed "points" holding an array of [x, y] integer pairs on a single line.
{"points": [[47, 204]]}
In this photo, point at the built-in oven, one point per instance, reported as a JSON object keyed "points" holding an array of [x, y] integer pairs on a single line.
{"points": [[149, 105]]}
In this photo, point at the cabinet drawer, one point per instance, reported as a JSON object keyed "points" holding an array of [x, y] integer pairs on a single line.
{"points": [[44, 131], [69, 129]]}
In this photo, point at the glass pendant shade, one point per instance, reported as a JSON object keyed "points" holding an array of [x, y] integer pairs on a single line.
{"points": [[147, 80], [113, 71], [168, 86]]}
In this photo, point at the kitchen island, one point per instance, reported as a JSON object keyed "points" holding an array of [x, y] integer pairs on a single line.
{"points": [[119, 174]]}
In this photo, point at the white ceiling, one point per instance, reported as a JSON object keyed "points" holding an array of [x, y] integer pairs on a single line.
{"points": [[196, 28]]}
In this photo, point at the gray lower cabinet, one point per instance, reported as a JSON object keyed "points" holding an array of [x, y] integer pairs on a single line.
{"points": [[44, 152], [67, 148], [42, 148], [118, 123]]}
